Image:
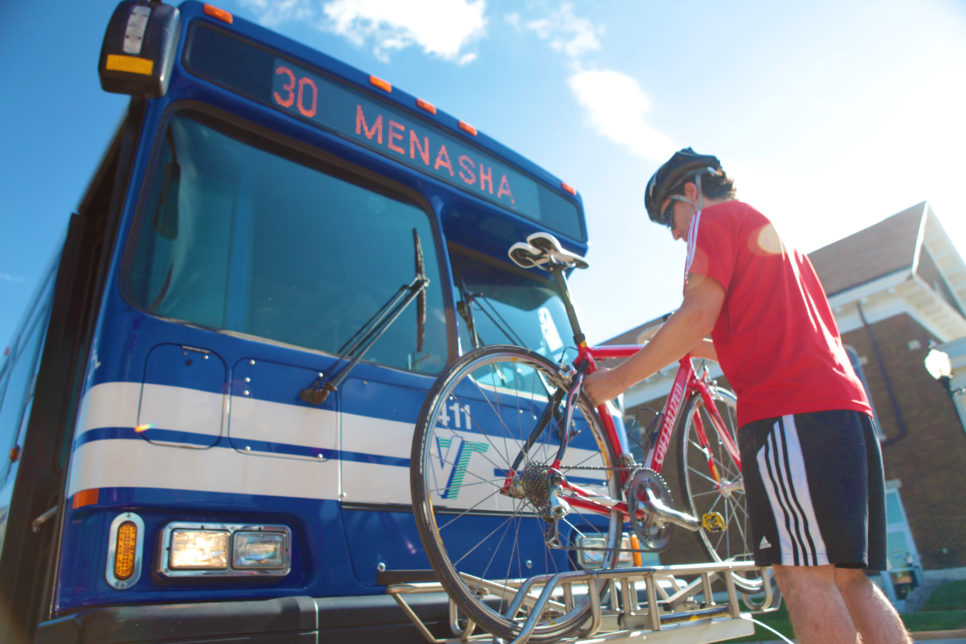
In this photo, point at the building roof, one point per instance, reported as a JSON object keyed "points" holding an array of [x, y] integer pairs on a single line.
{"points": [[881, 249]]}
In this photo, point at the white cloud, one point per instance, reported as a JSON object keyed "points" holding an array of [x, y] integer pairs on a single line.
{"points": [[614, 103], [617, 109], [564, 31], [275, 12], [442, 28], [7, 277]]}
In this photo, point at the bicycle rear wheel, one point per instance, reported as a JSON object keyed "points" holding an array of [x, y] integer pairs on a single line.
{"points": [[727, 494], [478, 418]]}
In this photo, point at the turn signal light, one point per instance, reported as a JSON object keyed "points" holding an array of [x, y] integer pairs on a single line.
{"points": [[127, 538], [124, 550]]}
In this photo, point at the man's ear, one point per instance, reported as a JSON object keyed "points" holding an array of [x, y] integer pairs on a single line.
{"points": [[691, 191]]}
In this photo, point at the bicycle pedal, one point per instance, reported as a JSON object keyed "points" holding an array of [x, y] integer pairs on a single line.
{"points": [[713, 522]]}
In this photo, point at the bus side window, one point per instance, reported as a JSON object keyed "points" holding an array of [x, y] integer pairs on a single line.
{"points": [[17, 391]]}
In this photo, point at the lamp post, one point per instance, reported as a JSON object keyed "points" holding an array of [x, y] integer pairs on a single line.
{"points": [[940, 367]]}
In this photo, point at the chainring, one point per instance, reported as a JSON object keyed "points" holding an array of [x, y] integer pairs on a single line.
{"points": [[653, 534]]}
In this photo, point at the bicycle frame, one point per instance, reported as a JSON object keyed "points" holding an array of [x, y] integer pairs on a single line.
{"points": [[687, 382]]}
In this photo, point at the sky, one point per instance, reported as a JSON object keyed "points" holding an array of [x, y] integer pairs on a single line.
{"points": [[831, 115]]}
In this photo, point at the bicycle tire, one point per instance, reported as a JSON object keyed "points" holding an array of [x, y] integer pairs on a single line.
{"points": [[489, 535], [703, 494]]}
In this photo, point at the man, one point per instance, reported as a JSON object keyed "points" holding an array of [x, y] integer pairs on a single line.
{"points": [[810, 457]]}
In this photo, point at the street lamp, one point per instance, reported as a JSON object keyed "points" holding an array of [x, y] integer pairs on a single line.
{"points": [[940, 367]]}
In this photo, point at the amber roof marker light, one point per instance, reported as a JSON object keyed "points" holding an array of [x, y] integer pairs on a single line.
{"points": [[384, 85], [218, 14]]}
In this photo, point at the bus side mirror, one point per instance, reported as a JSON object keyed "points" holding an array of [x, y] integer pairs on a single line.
{"points": [[139, 49]]}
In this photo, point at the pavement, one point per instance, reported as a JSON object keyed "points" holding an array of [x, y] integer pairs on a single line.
{"points": [[933, 637], [940, 637]]}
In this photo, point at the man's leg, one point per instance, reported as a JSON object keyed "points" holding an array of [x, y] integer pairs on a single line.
{"points": [[872, 613], [818, 611]]}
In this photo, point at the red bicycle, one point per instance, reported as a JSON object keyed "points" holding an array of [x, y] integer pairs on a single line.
{"points": [[514, 475]]}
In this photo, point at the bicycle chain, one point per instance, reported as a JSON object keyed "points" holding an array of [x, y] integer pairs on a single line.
{"points": [[600, 468]]}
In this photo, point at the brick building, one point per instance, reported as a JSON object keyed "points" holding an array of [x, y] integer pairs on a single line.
{"points": [[897, 288]]}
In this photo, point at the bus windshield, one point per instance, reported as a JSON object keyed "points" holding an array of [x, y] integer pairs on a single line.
{"points": [[505, 305], [236, 238]]}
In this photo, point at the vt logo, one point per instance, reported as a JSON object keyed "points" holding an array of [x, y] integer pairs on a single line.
{"points": [[450, 461]]}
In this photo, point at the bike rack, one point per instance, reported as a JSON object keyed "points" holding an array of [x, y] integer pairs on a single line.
{"points": [[674, 609]]}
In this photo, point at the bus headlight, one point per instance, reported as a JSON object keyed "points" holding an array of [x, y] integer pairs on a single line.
{"points": [[225, 550], [199, 549], [259, 550]]}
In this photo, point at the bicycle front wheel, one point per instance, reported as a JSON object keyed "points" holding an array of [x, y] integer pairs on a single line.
{"points": [[711, 481], [499, 409]]}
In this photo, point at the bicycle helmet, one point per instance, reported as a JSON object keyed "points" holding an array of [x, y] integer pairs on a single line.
{"points": [[685, 164]]}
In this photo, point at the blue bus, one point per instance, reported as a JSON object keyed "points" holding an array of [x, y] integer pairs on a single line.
{"points": [[209, 405]]}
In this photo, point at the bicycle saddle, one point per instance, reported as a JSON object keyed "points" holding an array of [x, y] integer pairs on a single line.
{"points": [[544, 251]]}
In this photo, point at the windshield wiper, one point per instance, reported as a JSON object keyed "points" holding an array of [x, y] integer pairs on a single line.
{"points": [[465, 310], [485, 306], [362, 340]]}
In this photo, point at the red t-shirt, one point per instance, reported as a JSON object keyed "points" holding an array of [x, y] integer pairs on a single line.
{"points": [[776, 338]]}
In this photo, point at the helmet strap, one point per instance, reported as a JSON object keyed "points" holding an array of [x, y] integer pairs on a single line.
{"points": [[697, 206], [700, 194]]}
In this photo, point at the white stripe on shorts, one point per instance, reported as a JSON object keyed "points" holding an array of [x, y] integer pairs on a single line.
{"points": [[782, 470]]}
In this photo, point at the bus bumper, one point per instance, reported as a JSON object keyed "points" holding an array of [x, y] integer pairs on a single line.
{"points": [[355, 620]]}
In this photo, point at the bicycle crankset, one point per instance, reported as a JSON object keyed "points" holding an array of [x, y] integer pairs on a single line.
{"points": [[653, 533]]}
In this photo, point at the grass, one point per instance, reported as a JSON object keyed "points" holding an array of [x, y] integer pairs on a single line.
{"points": [[937, 620], [951, 596], [945, 610]]}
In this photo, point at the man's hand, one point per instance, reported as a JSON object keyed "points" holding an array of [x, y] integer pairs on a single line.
{"points": [[602, 385], [683, 332]]}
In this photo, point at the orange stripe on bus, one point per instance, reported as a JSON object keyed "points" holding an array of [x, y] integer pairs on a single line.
{"points": [[85, 497]]}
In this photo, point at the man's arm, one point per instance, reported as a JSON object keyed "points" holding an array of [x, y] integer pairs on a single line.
{"points": [[684, 331], [704, 349]]}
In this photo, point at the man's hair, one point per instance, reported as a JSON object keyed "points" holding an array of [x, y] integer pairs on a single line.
{"points": [[717, 185]]}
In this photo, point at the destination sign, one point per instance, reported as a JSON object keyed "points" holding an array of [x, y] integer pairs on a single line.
{"points": [[390, 131], [379, 125]]}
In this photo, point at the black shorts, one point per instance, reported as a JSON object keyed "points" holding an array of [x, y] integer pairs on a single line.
{"points": [[815, 490]]}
